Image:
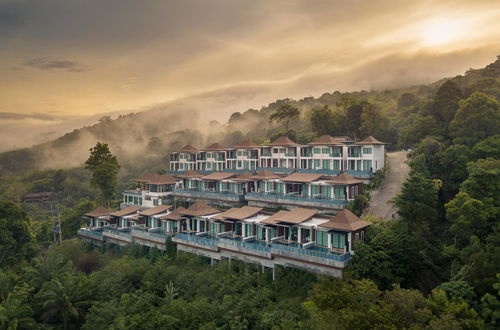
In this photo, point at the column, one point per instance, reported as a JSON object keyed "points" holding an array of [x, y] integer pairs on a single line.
{"points": [[329, 240], [198, 225], [268, 239], [188, 224], [243, 229], [299, 235], [349, 246], [169, 226]]}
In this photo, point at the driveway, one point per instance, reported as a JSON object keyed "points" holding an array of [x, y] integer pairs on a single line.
{"points": [[391, 186]]}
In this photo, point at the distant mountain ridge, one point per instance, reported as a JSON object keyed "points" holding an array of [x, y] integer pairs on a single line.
{"points": [[144, 140]]}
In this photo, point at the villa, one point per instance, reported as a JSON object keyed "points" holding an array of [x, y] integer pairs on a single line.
{"points": [[301, 237]]}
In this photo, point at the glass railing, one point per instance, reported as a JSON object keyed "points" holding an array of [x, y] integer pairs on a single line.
{"points": [[91, 233], [291, 154], [239, 243], [305, 199], [209, 193], [326, 255], [203, 240]]}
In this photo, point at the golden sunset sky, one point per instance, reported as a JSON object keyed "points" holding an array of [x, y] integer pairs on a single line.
{"points": [[64, 60]]}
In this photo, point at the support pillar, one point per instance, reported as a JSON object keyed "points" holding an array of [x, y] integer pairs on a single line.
{"points": [[299, 235], [262, 269], [243, 230], [329, 240], [274, 274], [211, 262]]}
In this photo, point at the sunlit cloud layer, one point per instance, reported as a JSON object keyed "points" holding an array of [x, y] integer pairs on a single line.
{"points": [[76, 58]]}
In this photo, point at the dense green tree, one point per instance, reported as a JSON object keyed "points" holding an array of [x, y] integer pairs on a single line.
{"points": [[373, 122], [16, 240], [483, 180], [418, 202], [104, 167], [477, 118], [445, 102], [322, 120], [66, 297], [488, 148], [406, 100], [285, 115]]}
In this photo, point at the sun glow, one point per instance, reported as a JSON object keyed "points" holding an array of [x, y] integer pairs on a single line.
{"points": [[442, 31]]}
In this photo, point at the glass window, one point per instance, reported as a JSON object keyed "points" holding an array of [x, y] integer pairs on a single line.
{"points": [[326, 150], [326, 164], [336, 164], [338, 240], [249, 229], [367, 150], [317, 163], [367, 165], [261, 233], [321, 238]]}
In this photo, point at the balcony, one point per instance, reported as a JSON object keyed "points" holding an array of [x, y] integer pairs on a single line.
{"points": [[218, 195], [154, 234], [95, 234], [290, 154], [297, 200], [120, 236], [313, 254]]}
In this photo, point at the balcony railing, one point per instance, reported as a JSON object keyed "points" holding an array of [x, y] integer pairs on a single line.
{"points": [[312, 253], [294, 198], [91, 233], [196, 239], [209, 194]]}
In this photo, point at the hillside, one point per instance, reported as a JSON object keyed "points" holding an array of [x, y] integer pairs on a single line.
{"points": [[143, 140]]}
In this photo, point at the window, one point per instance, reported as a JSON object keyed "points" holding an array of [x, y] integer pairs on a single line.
{"points": [[367, 165], [321, 238], [261, 233], [326, 150], [362, 235], [336, 164], [367, 151], [357, 236], [317, 163], [316, 150], [338, 241], [249, 229], [326, 164]]}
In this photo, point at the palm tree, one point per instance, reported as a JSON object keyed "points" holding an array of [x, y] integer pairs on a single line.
{"points": [[67, 297], [16, 314]]}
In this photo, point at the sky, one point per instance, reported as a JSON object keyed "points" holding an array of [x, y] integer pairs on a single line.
{"points": [[65, 63]]}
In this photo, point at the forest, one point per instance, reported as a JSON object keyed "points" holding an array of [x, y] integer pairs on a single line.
{"points": [[436, 266]]}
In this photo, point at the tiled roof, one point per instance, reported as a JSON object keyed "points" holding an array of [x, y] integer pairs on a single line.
{"points": [[238, 213], [246, 144], [125, 211], [345, 220], [188, 148], [282, 141], [294, 216], [344, 178], [302, 177], [198, 209], [370, 140], [265, 175], [325, 140], [155, 178], [243, 177], [100, 211], [217, 176], [174, 215], [215, 147], [155, 210]]}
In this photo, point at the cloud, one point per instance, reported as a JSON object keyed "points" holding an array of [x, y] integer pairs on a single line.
{"points": [[48, 64], [22, 116]]}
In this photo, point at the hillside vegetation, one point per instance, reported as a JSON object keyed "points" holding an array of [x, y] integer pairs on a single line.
{"points": [[435, 267]]}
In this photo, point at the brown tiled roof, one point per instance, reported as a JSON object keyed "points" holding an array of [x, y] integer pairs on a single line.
{"points": [[217, 176], [174, 215], [370, 140], [100, 211], [302, 177], [190, 174], [345, 220], [243, 177], [325, 140], [163, 179], [344, 178], [198, 209], [246, 144], [215, 147], [282, 141], [265, 175], [146, 177], [125, 211], [342, 138], [155, 210], [238, 213], [155, 178], [294, 216], [188, 148]]}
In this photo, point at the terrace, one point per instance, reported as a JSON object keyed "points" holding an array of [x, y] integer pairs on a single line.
{"points": [[219, 195]]}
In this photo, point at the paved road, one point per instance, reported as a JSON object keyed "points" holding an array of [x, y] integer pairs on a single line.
{"points": [[391, 186]]}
